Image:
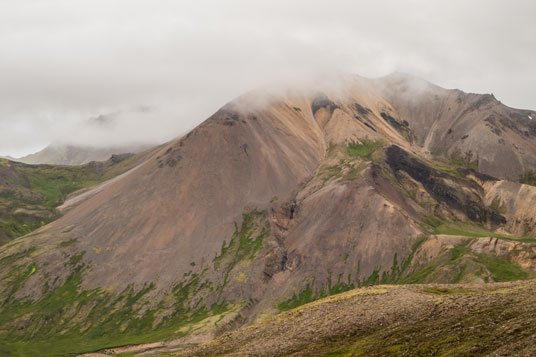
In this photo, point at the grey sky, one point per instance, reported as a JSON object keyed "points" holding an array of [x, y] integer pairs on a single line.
{"points": [[62, 62]]}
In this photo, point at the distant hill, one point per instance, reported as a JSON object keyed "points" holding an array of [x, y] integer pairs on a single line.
{"points": [[84, 145], [75, 155], [30, 194]]}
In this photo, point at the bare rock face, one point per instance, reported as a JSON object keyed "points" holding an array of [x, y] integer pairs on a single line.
{"points": [[446, 121], [310, 191], [518, 203]]}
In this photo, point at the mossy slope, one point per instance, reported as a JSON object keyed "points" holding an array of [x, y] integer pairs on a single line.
{"points": [[68, 319], [29, 194]]}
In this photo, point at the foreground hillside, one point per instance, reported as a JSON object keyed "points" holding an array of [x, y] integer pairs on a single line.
{"points": [[386, 320], [278, 199]]}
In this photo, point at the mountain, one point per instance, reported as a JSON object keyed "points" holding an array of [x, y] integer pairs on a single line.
{"points": [[63, 154], [29, 194], [84, 143], [278, 199]]}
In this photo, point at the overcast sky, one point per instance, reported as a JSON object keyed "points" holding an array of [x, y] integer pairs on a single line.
{"points": [[62, 62]]}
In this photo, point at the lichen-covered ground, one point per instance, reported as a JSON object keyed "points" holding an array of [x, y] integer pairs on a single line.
{"points": [[411, 320]]}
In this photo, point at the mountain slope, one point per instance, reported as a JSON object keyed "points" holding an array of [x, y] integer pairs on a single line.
{"points": [[445, 121], [29, 194], [83, 143], [276, 200]]}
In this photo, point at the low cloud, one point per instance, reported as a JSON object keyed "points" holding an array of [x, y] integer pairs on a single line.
{"points": [[62, 62]]}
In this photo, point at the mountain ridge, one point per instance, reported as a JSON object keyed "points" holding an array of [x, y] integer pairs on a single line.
{"points": [[282, 198], [59, 154]]}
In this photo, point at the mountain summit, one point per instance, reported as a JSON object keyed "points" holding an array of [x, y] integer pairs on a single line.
{"points": [[277, 199]]}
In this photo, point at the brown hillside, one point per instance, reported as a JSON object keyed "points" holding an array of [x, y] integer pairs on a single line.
{"points": [[283, 196]]}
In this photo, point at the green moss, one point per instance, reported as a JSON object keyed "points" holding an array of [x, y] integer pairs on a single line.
{"points": [[34, 191], [15, 227], [418, 277], [373, 279], [458, 251], [303, 297], [340, 286], [502, 269], [460, 274], [17, 257], [69, 320], [334, 171], [310, 294], [528, 178], [351, 159], [450, 262], [75, 259], [398, 272], [472, 230], [364, 148], [445, 291], [464, 160], [497, 205], [422, 274], [430, 221], [436, 225], [245, 243]]}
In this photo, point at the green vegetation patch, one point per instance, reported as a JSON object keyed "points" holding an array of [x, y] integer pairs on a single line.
{"points": [[450, 266], [528, 178], [502, 269], [446, 291], [245, 242], [431, 221], [29, 194], [310, 294], [464, 160], [303, 297], [497, 205], [351, 158], [436, 225], [395, 276], [456, 164], [69, 320], [472, 230], [364, 148]]}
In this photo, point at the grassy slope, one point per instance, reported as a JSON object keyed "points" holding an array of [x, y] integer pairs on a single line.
{"points": [[452, 265], [423, 320], [350, 160], [69, 320], [29, 194]]}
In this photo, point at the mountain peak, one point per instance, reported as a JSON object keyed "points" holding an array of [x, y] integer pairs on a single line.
{"points": [[282, 197]]}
